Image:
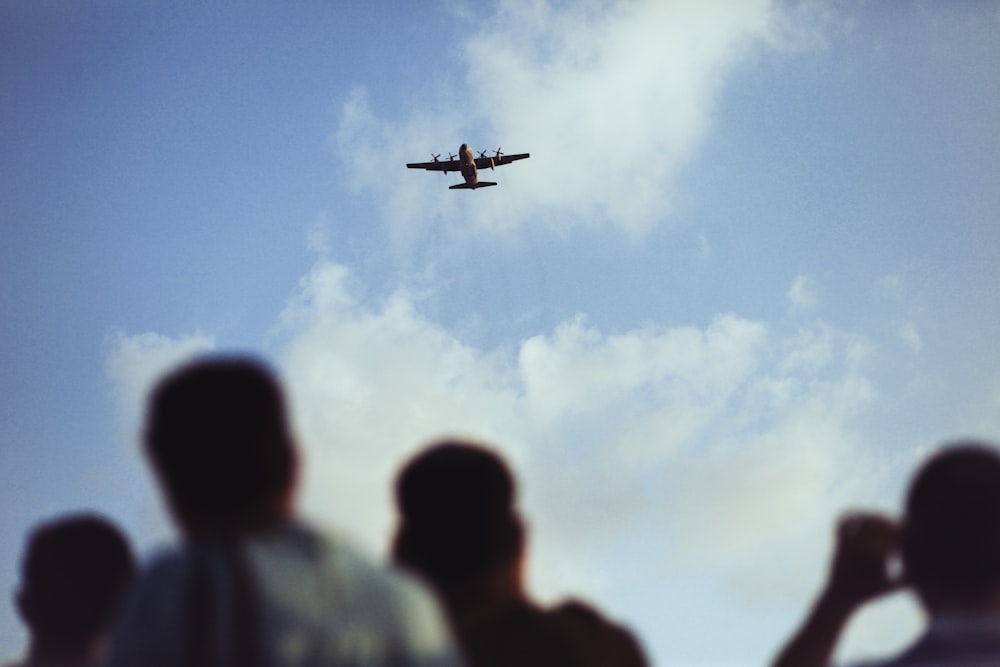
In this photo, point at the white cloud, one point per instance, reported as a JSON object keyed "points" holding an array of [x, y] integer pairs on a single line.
{"points": [[368, 386], [611, 99], [628, 380], [731, 405], [802, 293], [763, 487]]}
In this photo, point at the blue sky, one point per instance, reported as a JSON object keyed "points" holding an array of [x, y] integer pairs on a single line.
{"points": [[745, 281]]}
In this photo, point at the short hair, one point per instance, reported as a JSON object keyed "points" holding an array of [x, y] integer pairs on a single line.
{"points": [[456, 500], [951, 533], [74, 571], [218, 437]]}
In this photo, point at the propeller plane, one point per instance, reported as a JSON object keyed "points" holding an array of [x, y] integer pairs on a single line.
{"points": [[468, 165]]}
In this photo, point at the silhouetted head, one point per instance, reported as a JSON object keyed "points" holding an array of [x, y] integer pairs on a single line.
{"points": [[458, 522], [219, 441], [951, 533], [73, 573]]}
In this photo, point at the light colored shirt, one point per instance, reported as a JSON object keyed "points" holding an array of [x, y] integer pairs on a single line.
{"points": [[291, 597]]}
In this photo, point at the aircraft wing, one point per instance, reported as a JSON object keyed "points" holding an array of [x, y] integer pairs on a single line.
{"points": [[437, 165], [490, 162]]}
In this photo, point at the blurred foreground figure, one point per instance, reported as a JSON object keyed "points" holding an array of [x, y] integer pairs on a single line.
{"points": [[459, 531], [74, 572], [949, 542], [251, 586]]}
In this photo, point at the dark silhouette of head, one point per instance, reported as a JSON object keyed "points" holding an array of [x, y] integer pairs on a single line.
{"points": [[951, 532], [458, 522], [74, 571], [218, 438]]}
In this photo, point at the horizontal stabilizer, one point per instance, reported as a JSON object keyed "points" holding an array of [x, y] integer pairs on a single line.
{"points": [[471, 186]]}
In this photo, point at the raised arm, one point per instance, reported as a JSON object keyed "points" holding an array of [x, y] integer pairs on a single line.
{"points": [[860, 571]]}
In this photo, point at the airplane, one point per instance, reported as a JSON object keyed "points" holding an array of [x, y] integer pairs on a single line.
{"points": [[468, 166]]}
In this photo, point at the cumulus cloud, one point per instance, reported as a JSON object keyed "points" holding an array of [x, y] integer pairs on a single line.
{"points": [[580, 375], [730, 405], [611, 99], [368, 385]]}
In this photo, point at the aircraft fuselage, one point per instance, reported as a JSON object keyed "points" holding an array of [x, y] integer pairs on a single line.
{"points": [[468, 162]]}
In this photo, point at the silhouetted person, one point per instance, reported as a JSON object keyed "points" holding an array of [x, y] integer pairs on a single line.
{"points": [[73, 574], [460, 532], [949, 542], [250, 585]]}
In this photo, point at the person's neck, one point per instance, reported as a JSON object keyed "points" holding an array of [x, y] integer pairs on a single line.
{"points": [[477, 602]]}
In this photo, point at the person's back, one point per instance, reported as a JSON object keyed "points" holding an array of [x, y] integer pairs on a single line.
{"points": [[74, 572], [460, 532], [286, 596], [250, 585]]}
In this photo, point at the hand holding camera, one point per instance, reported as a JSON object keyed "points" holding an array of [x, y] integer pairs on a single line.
{"points": [[866, 560]]}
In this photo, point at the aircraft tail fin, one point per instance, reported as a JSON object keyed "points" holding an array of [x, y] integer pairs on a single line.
{"points": [[471, 186]]}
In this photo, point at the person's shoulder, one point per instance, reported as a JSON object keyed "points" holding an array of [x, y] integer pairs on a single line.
{"points": [[353, 568], [609, 642], [151, 616], [361, 582], [166, 563], [586, 618], [352, 564], [161, 581], [403, 609]]}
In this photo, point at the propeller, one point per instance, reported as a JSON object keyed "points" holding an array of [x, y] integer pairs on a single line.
{"points": [[435, 157], [451, 157], [499, 154]]}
